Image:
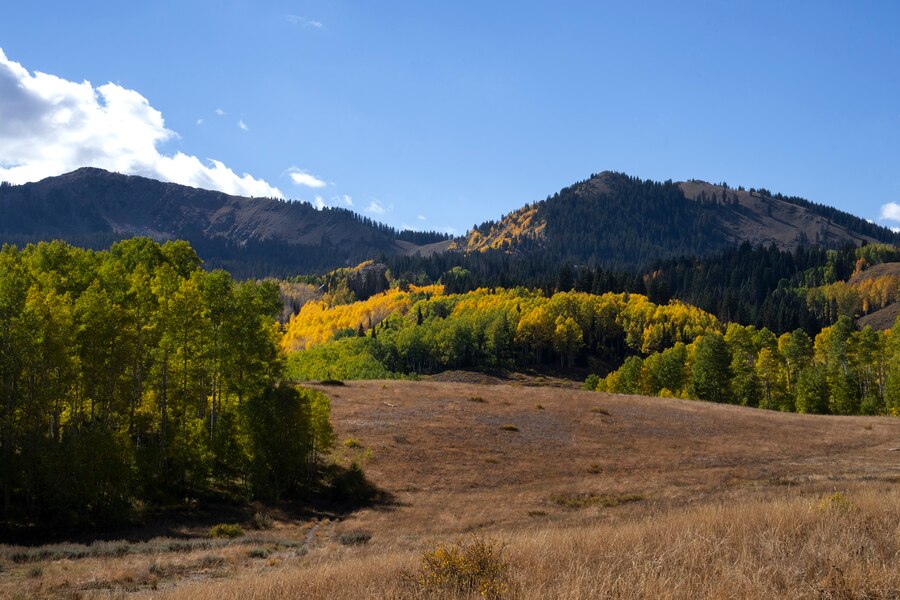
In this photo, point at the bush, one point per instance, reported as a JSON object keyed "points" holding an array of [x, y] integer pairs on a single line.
{"points": [[226, 530], [836, 502], [509, 428], [590, 383], [355, 538], [259, 553], [262, 521], [470, 567]]}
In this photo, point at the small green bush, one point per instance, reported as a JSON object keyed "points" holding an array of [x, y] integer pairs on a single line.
{"points": [[352, 443], [226, 530], [509, 428]]}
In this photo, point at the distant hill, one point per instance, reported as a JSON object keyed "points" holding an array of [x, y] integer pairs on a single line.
{"points": [[610, 220], [249, 236], [618, 221]]}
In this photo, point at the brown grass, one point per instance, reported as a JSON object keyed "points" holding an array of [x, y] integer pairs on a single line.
{"points": [[681, 500]]}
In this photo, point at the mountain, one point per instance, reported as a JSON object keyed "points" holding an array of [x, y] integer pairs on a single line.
{"points": [[609, 220], [618, 221], [248, 236]]}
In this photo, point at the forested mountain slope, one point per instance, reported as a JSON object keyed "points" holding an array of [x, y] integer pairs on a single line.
{"points": [[248, 236], [613, 220]]}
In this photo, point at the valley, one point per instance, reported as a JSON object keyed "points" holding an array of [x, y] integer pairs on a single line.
{"points": [[591, 494]]}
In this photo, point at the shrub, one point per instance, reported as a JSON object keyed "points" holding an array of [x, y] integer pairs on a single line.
{"points": [[259, 553], [262, 521], [577, 501], [509, 428], [478, 399], [836, 502], [211, 560], [226, 530], [355, 538], [352, 443], [476, 566], [590, 383]]}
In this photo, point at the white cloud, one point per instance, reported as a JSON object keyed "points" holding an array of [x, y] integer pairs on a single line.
{"points": [[200, 121], [895, 229], [890, 211], [301, 177], [50, 126], [243, 125], [421, 217], [376, 208], [343, 199], [220, 112], [319, 203], [304, 22]]}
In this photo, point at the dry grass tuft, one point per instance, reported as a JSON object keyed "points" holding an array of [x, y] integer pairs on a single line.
{"points": [[578, 501]]}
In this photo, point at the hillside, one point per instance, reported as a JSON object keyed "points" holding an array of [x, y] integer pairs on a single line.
{"points": [[248, 236], [595, 495], [618, 221]]}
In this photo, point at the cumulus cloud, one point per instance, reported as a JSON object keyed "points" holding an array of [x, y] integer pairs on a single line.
{"points": [[243, 125], [376, 208], [50, 126], [890, 211], [319, 203], [301, 177], [421, 217], [343, 199], [220, 112]]}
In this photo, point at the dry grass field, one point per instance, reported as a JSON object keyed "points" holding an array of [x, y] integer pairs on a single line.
{"points": [[590, 495]]}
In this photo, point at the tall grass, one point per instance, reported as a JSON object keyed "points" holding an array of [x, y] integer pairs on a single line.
{"points": [[796, 547]]}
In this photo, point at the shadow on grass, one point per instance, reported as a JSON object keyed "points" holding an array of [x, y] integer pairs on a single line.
{"points": [[338, 492]]}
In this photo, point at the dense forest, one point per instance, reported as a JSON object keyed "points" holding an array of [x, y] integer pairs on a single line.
{"points": [[843, 371], [781, 290], [131, 378], [422, 331], [671, 349]]}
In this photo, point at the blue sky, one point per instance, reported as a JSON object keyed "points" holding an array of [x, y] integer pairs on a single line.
{"points": [[444, 114]]}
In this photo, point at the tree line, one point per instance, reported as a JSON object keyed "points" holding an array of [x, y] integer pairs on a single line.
{"points": [[424, 330], [132, 377], [842, 371]]}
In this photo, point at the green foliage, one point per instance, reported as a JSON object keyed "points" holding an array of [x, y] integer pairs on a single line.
{"points": [[284, 439], [485, 329], [710, 373], [845, 371], [226, 530], [132, 377], [347, 358]]}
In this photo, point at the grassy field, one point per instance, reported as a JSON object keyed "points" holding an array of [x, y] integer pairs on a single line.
{"points": [[589, 495]]}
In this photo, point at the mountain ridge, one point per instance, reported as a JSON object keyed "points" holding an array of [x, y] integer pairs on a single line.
{"points": [[615, 220], [610, 220]]}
